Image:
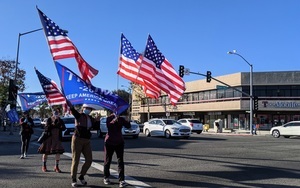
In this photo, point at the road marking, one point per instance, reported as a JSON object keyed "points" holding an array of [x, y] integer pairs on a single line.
{"points": [[114, 173]]}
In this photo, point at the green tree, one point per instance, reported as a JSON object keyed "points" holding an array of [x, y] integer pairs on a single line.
{"points": [[7, 72]]}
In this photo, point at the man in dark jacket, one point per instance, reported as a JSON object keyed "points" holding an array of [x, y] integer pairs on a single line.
{"points": [[114, 142], [81, 141]]}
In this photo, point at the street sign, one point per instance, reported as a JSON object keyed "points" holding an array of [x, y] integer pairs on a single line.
{"points": [[221, 87], [186, 71]]}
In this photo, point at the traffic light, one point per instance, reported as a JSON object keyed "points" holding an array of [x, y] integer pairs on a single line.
{"points": [[12, 91], [208, 76], [255, 100], [181, 71]]}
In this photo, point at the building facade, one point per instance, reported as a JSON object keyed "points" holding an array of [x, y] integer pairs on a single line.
{"points": [[278, 101]]}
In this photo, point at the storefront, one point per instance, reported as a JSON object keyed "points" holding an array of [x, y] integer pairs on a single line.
{"points": [[278, 98]]}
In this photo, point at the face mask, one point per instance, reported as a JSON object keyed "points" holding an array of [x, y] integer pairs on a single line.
{"points": [[87, 111], [56, 114]]}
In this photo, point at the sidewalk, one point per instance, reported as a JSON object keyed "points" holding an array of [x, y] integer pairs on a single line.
{"points": [[9, 136], [239, 133]]}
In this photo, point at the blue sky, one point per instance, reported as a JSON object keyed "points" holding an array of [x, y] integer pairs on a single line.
{"points": [[194, 33]]}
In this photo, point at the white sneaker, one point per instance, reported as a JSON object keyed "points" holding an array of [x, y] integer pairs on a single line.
{"points": [[22, 157], [106, 181], [123, 184], [25, 155], [74, 184]]}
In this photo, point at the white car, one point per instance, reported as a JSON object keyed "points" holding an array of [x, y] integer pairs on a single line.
{"points": [[194, 124], [103, 129], [286, 130], [37, 122], [134, 131], [70, 127], [167, 128]]}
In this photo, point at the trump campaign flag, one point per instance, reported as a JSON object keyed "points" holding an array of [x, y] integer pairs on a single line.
{"points": [[62, 47], [30, 100], [77, 91], [156, 69]]}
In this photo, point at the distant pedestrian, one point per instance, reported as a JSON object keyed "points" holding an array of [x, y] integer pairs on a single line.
{"points": [[114, 142], [52, 145], [26, 130], [80, 143], [254, 129]]}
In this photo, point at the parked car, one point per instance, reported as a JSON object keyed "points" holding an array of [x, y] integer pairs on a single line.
{"points": [[141, 125], [103, 129], [134, 131], [37, 122], [167, 128], [70, 127], [286, 130], [194, 124]]}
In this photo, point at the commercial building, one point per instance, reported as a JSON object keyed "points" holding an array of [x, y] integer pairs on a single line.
{"points": [[278, 101]]}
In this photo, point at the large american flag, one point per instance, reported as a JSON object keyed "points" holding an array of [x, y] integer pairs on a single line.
{"points": [[130, 61], [156, 69], [62, 47], [53, 93]]}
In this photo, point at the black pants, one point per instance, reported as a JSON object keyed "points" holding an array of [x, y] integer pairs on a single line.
{"points": [[25, 139], [108, 152]]}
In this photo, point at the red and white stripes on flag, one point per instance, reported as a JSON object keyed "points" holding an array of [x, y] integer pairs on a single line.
{"points": [[61, 47], [53, 93], [130, 61], [156, 69]]}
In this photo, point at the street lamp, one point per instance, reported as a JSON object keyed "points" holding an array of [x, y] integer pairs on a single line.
{"points": [[251, 86], [16, 71], [17, 59]]}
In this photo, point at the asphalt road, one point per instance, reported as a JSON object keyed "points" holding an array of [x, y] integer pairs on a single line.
{"points": [[205, 160]]}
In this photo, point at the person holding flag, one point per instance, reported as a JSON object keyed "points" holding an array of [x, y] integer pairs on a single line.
{"points": [[81, 141], [114, 142]]}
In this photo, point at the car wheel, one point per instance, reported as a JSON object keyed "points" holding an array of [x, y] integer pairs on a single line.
{"points": [[199, 132], [99, 134], [276, 134], [147, 133], [168, 134]]}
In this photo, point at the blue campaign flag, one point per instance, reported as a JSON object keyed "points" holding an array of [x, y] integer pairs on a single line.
{"points": [[30, 100], [13, 115], [77, 91]]}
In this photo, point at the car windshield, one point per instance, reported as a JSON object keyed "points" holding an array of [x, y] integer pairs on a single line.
{"points": [[68, 120], [195, 121], [169, 121]]}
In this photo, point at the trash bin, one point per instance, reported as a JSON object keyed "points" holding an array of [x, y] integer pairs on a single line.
{"points": [[206, 127]]}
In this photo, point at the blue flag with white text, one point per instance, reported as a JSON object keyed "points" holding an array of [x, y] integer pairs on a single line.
{"points": [[30, 100], [77, 91]]}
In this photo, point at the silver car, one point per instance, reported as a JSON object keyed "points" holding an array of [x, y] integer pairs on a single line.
{"points": [[167, 128], [70, 127], [194, 124], [134, 131]]}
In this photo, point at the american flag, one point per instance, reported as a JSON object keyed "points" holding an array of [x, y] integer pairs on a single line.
{"points": [[62, 47], [53, 94], [156, 69], [130, 61]]}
